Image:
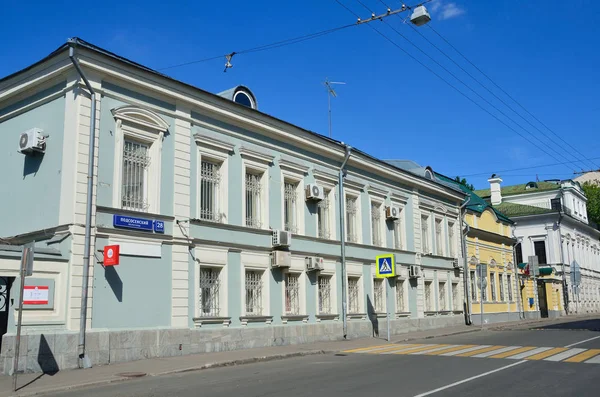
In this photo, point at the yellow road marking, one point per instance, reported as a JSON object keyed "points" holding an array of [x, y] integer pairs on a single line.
{"points": [[479, 351], [512, 352], [419, 349], [583, 356], [396, 348], [547, 353], [448, 350], [365, 348]]}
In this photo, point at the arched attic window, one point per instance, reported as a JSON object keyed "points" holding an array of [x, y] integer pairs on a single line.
{"points": [[139, 134], [243, 98]]}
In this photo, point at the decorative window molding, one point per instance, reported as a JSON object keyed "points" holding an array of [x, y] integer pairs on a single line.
{"points": [[255, 156], [353, 217], [290, 166], [377, 192], [211, 151], [213, 143], [293, 203], [355, 185], [377, 223], [325, 178], [399, 198], [255, 197], [140, 117]]}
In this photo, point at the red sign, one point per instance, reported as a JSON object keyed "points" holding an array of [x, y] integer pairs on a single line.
{"points": [[35, 295], [111, 255]]}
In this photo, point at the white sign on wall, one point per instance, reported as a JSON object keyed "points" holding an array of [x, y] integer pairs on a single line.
{"points": [[35, 295]]}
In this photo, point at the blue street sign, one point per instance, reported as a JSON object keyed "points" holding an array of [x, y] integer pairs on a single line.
{"points": [[386, 266], [159, 226], [130, 222]]}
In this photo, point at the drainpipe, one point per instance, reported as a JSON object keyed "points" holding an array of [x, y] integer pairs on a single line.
{"points": [[463, 247], [343, 239], [84, 361]]}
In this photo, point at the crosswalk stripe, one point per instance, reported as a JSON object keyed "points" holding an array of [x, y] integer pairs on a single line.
{"points": [[438, 349], [566, 354], [523, 355], [449, 350], [547, 353], [395, 349], [474, 352], [418, 349], [498, 351], [510, 353], [467, 349], [583, 356], [595, 360], [371, 348]]}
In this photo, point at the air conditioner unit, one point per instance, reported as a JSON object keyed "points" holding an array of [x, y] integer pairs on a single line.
{"points": [[314, 263], [31, 141], [455, 264], [282, 238], [314, 192], [392, 212], [414, 271], [281, 259]]}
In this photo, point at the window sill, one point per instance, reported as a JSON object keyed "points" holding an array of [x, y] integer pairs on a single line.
{"points": [[200, 321], [294, 317], [378, 315], [402, 314], [445, 312], [431, 313], [321, 317], [256, 319], [359, 316]]}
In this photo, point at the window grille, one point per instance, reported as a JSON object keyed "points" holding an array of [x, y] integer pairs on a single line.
{"points": [[351, 214], [438, 237], [134, 190], [400, 303], [253, 293], [425, 234], [375, 224], [442, 292], [509, 284], [428, 296], [209, 191], [378, 296], [493, 286], [253, 200], [451, 240], [353, 296], [325, 295], [289, 206], [209, 292], [397, 234], [473, 286], [323, 217], [455, 297], [501, 285], [292, 294]]}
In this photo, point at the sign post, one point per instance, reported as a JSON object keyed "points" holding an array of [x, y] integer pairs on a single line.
{"points": [[482, 274], [25, 270], [575, 282], [386, 268]]}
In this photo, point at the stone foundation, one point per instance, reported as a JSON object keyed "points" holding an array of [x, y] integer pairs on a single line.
{"points": [[54, 351], [493, 318]]}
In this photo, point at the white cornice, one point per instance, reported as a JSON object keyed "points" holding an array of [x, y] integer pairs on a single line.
{"points": [[325, 177], [375, 191], [397, 197], [354, 184], [256, 156], [292, 166], [213, 143]]}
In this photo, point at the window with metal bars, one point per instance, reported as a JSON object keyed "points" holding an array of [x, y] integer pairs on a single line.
{"points": [[429, 296], [210, 178], [455, 297], [376, 223], [438, 237], [425, 234], [290, 195], [509, 285], [473, 285], [323, 217], [209, 292], [325, 294], [134, 186], [501, 285], [398, 234], [253, 293], [253, 200], [351, 224], [400, 301], [493, 285], [292, 293], [443, 295], [378, 296], [353, 295], [451, 240]]}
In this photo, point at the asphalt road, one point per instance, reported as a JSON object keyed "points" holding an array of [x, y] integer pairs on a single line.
{"points": [[351, 374]]}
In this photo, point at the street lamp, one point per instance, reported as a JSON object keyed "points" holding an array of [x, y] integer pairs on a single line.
{"points": [[420, 16]]}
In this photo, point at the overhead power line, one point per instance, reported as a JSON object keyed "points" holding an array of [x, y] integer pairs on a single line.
{"points": [[526, 168], [450, 84]]}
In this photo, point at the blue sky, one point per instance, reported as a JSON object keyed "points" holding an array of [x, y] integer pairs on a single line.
{"points": [[543, 53]]}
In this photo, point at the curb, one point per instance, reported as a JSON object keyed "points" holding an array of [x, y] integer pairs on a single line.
{"points": [[466, 331]]}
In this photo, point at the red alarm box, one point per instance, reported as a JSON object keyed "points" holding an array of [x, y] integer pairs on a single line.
{"points": [[111, 255]]}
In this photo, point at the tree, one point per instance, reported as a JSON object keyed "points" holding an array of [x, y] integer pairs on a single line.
{"points": [[592, 192], [464, 182]]}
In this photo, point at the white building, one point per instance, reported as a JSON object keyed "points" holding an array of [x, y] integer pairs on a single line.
{"points": [[552, 223]]}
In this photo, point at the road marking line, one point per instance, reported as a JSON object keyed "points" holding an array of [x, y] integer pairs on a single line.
{"points": [[567, 354], [491, 353], [464, 350], [438, 349], [547, 353], [510, 353], [595, 360], [474, 352], [583, 356], [583, 341], [523, 355], [450, 349], [469, 379], [394, 349], [365, 349], [418, 349]]}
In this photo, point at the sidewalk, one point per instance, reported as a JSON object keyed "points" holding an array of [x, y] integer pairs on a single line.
{"points": [[35, 384]]}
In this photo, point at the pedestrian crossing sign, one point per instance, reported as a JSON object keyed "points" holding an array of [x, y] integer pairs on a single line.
{"points": [[386, 266]]}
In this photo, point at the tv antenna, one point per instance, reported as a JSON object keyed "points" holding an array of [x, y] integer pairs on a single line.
{"points": [[330, 93]]}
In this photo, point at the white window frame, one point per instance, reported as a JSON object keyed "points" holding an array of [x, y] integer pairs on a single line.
{"points": [[501, 292], [425, 234], [429, 296], [356, 229], [258, 164], [379, 297], [451, 226], [399, 225], [331, 281], [438, 225], [148, 128], [376, 205], [294, 173], [456, 304], [222, 297], [299, 295], [442, 295], [264, 301], [473, 285], [493, 292], [401, 306], [509, 281], [329, 183], [360, 303]]}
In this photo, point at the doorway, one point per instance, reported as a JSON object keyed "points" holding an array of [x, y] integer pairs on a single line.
{"points": [[5, 284], [542, 299]]}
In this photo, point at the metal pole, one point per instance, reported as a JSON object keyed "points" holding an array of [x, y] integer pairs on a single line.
{"points": [[387, 293], [83, 361], [329, 108], [24, 259], [343, 240]]}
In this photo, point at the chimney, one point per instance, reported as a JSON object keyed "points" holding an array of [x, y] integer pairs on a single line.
{"points": [[495, 193]]}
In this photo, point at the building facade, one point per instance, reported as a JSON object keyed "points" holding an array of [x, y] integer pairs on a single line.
{"points": [[198, 190], [551, 223]]}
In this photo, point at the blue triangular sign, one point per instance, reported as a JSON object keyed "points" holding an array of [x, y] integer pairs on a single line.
{"points": [[384, 267]]}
